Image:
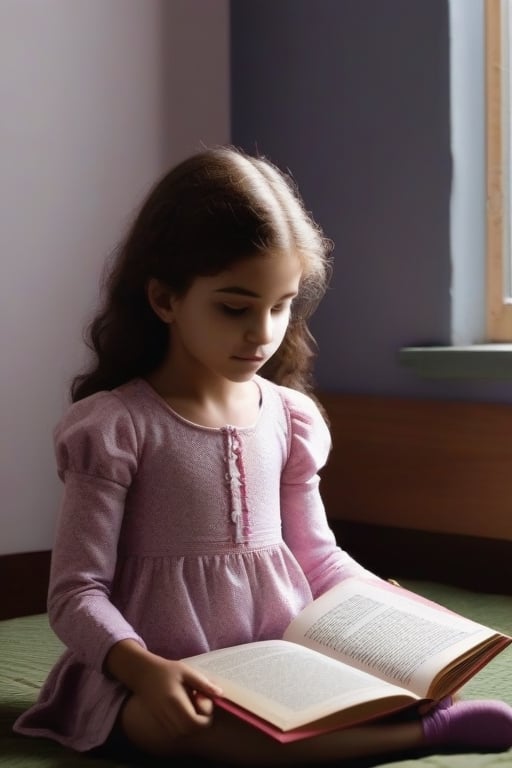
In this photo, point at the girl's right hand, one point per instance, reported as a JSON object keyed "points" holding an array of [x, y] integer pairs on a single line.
{"points": [[178, 697]]}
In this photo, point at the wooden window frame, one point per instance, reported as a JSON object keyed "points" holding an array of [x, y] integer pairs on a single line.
{"points": [[498, 306]]}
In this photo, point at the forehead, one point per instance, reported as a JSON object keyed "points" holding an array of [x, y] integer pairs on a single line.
{"points": [[269, 273]]}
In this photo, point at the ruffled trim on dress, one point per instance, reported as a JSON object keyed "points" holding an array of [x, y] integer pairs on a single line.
{"points": [[235, 482]]}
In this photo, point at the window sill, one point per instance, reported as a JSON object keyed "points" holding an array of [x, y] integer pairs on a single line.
{"points": [[478, 361]]}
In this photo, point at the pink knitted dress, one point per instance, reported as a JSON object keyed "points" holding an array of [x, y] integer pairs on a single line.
{"points": [[184, 538]]}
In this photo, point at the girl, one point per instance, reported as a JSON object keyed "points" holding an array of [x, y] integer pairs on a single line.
{"points": [[191, 516]]}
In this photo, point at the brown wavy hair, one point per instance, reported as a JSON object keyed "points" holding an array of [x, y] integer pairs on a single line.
{"points": [[213, 209]]}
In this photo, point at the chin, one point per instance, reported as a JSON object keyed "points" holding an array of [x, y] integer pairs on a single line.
{"points": [[240, 377]]}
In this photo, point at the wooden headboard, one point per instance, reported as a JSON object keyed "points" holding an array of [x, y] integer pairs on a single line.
{"points": [[423, 488], [413, 488]]}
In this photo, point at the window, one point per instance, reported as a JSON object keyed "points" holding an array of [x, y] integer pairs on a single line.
{"points": [[481, 202], [499, 176]]}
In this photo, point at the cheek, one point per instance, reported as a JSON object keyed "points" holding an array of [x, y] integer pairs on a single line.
{"points": [[280, 328]]}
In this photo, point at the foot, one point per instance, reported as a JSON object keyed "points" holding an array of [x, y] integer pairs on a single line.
{"points": [[485, 725]]}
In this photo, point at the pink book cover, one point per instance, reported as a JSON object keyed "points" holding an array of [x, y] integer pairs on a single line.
{"points": [[304, 732]]}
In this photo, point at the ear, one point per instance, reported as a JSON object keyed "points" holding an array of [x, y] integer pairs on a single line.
{"points": [[160, 299]]}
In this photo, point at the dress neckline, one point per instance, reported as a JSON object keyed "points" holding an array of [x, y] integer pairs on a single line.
{"points": [[170, 410]]}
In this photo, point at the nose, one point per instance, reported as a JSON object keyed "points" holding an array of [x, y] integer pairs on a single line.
{"points": [[260, 329]]}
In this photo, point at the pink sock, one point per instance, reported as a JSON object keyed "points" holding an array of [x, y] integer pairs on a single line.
{"points": [[484, 725]]}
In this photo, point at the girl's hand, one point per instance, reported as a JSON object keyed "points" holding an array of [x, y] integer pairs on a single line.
{"points": [[177, 696]]}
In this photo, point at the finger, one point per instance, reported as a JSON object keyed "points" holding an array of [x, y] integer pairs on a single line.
{"points": [[199, 682], [203, 704], [199, 705], [182, 715]]}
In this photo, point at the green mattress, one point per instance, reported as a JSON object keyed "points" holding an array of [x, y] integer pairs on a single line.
{"points": [[28, 649]]}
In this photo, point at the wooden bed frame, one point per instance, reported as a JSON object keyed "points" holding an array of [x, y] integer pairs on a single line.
{"points": [[418, 489]]}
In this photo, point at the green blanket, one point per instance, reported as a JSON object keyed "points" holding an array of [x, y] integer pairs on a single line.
{"points": [[28, 649]]}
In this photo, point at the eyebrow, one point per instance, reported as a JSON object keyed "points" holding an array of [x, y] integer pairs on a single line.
{"points": [[239, 291]]}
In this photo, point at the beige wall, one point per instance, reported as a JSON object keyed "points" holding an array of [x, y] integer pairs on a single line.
{"points": [[97, 98]]}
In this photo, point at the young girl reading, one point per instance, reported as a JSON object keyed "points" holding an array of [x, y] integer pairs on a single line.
{"points": [[191, 516]]}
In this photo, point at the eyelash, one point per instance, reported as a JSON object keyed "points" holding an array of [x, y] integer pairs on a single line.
{"points": [[234, 311], [237, 311]]}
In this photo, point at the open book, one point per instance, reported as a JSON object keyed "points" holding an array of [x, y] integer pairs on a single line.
{"points": [[363, 650]]}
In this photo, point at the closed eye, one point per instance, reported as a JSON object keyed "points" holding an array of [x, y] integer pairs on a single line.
{"points": [[229, 310], [284, 307]]}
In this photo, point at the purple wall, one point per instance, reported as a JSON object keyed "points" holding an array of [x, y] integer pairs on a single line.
{"points": [[353, 96]]}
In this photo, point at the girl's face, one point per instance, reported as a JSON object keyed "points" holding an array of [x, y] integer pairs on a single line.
{"points": [[228, 325]]}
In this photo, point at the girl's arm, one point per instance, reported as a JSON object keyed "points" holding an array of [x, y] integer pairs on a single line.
{"points": [[97, 458], [305, 526]]}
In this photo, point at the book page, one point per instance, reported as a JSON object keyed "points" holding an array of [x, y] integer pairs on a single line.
{"points": [[385, 632], [290, 685]]}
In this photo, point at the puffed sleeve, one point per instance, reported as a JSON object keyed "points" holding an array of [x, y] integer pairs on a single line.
{"points": [[96, 453], [305, 527]]}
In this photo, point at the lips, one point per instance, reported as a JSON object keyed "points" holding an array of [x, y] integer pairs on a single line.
{"points": [[249, 358]]}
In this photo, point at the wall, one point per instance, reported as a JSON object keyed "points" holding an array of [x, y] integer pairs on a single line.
{"points": [[354, 97], [98, 98], [377, 109]]}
